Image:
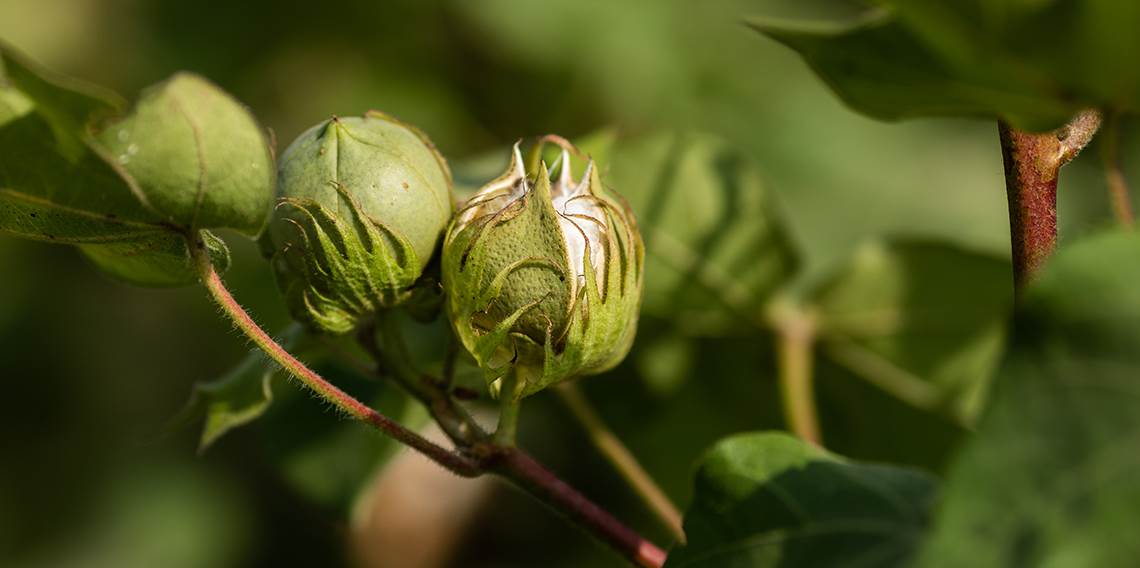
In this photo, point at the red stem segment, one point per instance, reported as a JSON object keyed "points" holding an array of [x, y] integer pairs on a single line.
{"points": [[531, 476], [509, 462], [345, 402], [1032, 163], [1031, 186]]}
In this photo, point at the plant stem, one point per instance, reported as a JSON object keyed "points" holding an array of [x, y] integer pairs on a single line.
{"points": [[510, 462], [1032, 163], [452, 418], [1117, 185], [344, 402], [535, 479], [622, 459], [509, 406], [795, 337]]}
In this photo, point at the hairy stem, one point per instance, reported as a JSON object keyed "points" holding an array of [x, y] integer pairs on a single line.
{"points": [[1114, 174], [1032, 163], [795, 338], [622, 459], [535, 479], [328, 392], [393, 359], [508, 462]]}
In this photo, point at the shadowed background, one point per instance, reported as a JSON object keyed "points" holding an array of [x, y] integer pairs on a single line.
{"points": [[92, 369]]}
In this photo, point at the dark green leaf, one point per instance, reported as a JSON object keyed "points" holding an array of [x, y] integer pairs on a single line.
{"points": [[771, 500], [884, 68], [921, 319], [1080, 51], [865, 422], [1053, 475], [716, 248]]}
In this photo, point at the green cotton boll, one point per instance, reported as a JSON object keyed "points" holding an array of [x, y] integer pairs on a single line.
{"points": [[543, 275], [362, 205], [195, 156]]}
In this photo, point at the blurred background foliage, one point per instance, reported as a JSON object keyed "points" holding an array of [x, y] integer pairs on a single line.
{"points": [[93, 369]]}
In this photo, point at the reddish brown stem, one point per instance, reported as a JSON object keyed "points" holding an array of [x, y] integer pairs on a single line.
{"points": [[1032, 163], [508, 462], [535, 479], [345, 402], [1114, 174], [1031, 188]]}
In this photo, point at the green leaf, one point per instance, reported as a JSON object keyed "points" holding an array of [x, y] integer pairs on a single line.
{"points": [[716, 247], [197, 156], [1075, 51], [53, 185], [1052, 477], [327, 459], [767, 499], [820, 16], [68, 105], [57, 185], [882, 67], [921, 319], [240, 396], [155, 259], [46, 196]]}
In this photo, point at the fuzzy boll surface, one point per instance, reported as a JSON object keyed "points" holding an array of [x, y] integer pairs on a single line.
{"points": [[543, 275]]}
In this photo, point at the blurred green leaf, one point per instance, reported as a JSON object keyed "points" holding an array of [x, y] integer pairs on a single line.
{"points": [[663, 356], [550, 35], [240, 396], [767, 499], [867, 423], [1079, 52], [68, 105], [197, 156], [883, 67], [921, 319], [1053, 476], [325, 458], [176, 516], [716, 247]]}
